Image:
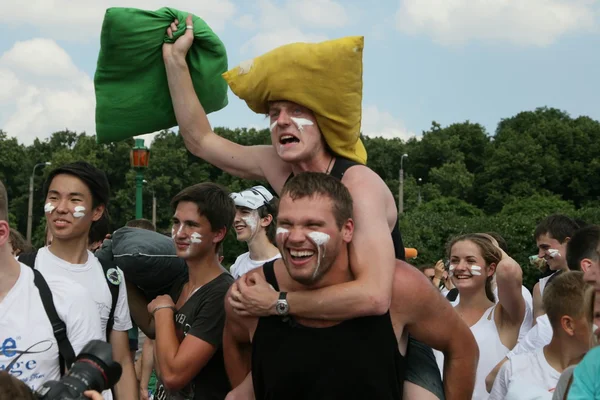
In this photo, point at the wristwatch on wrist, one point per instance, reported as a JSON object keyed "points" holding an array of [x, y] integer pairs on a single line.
{"points": [[282, 307]]}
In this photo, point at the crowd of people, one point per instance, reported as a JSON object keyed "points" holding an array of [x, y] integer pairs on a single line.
{"points": [[322, 306]]}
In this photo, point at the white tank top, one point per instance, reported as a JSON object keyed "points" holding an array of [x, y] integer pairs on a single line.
{"points": [[491, 350], [544, 281]]}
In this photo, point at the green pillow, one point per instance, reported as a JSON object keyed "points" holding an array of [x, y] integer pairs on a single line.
{"points": [[132, 93]]}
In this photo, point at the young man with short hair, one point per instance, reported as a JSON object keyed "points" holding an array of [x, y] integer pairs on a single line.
{"points": [[304, 358], [552, 235], [187, 324], [29, 349], [564, 303], [254, 223], [77, 196]]}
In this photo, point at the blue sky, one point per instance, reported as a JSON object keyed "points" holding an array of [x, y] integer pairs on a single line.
{"points": [[424, 60]]}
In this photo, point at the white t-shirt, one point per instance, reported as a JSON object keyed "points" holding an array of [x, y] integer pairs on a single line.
{"points": [[530, 369], [244, 264], [24, 326], [537, 337], [91, 276]]}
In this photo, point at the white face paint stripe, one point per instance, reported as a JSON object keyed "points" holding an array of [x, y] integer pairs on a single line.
{"points": [[553, 253], [281, 231], [475, 270], [79, 212], [48, 208], [321, 239], [273, 125], [195, 238], [301, 123]]}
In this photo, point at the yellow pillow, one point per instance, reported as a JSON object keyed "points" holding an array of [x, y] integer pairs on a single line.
{"points": [[325, 77]]}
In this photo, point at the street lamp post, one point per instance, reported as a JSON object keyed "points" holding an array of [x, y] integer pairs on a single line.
{"points": [[153, 205], [401, 188], [419, 195], [30, 211], [139, 158]]}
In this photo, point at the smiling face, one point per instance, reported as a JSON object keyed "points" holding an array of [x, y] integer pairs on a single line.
{"points": [[294, 131], [552, 251], [468, 266], [248, 224], [69, 208], [309, 238], [192, 232]]}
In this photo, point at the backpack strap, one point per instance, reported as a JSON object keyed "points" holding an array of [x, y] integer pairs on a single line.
{"points": [[113, 280], [28, 258], [66, 354], [269, 271]]}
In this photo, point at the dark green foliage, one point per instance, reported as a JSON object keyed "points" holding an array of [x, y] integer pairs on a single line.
{"points": [[537, 163]]}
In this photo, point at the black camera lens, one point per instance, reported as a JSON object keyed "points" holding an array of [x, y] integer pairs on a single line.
{"points": [[94, 369]]}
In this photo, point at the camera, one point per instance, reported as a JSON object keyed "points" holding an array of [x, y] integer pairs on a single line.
{"points": [[93, 369]]}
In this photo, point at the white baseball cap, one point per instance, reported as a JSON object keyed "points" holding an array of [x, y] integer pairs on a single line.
{"points": [[253, 198]]}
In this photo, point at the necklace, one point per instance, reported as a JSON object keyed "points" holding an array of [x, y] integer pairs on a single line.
{"points": [[192, 292], [329, 165]]}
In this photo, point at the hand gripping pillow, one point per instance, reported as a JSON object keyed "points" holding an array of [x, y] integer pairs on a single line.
{"points": [[132, 93], [148, 260], [324, 77]]}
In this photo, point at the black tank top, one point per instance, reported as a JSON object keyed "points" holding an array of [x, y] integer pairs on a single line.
{"points": [[339, 169], [356, 359]]}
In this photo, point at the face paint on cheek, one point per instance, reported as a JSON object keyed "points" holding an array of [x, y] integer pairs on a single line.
{"points": [[273, 125], [553, 253], [301, 123], [78, 212], [451, 268], [195, 238], [48, 208], [320, 239], [283, 232], [251, 221], [475, 270], [173, 232]]}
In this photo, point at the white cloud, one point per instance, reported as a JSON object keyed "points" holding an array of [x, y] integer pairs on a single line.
{"points": [[320, 13], [38, 101], [381, 123], [265, 41], [246, 22], [286, 23], [82, 19], [523, 22]]}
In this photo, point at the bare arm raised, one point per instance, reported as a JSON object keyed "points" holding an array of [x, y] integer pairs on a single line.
{"points": [[247, 162]]}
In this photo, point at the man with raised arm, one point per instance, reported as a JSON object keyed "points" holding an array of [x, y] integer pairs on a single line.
{"points": [[299, 144]]}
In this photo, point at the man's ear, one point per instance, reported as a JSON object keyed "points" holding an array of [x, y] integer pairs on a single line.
{"points": [[4, 232], [567, 324], [219, 235], [585, 264], [266, 221], [98, 212], [348, 230]]}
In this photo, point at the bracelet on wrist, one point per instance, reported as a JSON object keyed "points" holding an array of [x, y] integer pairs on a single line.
{"points": [[160, 307]]}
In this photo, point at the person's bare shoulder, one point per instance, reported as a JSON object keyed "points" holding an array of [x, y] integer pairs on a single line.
{"points": [[411, 288], [361, 174]]}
